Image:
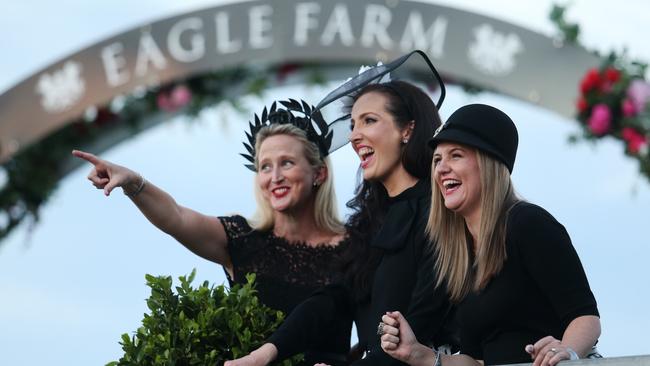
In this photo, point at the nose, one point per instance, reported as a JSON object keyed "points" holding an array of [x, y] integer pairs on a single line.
{"points": [[441, 167], [276, 175], [355, 136]]}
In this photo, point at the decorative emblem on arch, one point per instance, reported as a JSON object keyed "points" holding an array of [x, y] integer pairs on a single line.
{"points": [[61, 89], [492, 52]]}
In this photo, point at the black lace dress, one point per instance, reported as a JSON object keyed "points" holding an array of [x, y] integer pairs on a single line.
{"points": [[286, 274]]}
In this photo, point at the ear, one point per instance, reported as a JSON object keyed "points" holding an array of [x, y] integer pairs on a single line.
{"points": [[408, 131], [320, 175]]}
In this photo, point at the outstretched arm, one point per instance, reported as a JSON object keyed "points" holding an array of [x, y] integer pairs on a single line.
{"points": [[577, 340], [204, 235]]}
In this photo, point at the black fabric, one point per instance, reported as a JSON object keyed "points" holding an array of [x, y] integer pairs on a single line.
{"points": [[483, 127], [404, 280], [287, 273], [540, 290]]}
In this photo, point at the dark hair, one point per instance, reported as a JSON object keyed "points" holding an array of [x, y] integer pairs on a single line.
{"points": [[406, 103]]}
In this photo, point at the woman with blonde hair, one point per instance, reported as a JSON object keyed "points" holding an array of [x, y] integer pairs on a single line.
{"points": [[295, 235], [521, 290]]}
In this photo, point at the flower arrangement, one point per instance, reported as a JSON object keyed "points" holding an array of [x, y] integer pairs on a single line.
{"points": [[614, 99]]}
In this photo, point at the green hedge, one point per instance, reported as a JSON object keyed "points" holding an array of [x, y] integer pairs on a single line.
{"points": [[206, 325]]}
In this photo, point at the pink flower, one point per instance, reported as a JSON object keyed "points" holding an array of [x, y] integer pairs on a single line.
{"points": [[635, 140], [600, 120], [628, 108], [639, 93], [181, 96], [171, 101]]}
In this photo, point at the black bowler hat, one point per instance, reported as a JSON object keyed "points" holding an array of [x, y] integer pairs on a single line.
{"points": [[483, 127]]}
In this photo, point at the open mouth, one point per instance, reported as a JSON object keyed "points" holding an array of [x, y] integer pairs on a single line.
{"points": [[280, 191], [365, 154], [450, 185]]}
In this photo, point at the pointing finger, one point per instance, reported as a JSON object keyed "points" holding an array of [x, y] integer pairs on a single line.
{"points": [[86, 156]]}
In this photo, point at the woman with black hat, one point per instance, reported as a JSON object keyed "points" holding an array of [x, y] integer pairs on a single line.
{"points": [[521, 290]]}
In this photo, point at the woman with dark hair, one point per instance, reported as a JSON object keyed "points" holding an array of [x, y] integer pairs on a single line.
{"points": [[387, 264], [521, 290]]}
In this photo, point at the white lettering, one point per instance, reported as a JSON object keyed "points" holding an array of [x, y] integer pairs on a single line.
{"points": [[338, 23], [375, 26], [305, 21], [197, 49], [114, 64], [431, 40], [260, 25], [148, 52], [224, 43]]}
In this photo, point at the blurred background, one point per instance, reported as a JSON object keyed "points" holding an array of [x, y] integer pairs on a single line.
{"points": [[74, 282]]}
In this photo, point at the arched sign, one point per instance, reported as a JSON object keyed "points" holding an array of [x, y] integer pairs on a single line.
{"points": [[466, 47]]}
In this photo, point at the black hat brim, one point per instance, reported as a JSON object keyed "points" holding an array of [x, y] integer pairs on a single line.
{"points": [[466, 138]]}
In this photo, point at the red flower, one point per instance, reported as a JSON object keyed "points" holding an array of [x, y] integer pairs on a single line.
{"points": [[634, 139], [285, 70], [590, 81], [612, 75]]}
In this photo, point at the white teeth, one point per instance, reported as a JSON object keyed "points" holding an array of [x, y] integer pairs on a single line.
{"points": [[364, 151], [449, 182], [280, 190]]}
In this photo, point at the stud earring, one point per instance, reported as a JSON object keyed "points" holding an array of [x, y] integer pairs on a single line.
{"points": [[405, 141]]}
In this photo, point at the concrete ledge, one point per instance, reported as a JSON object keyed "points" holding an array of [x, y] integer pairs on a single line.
{"points": [[610, 361]]}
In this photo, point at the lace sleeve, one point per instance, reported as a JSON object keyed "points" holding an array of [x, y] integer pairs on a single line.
{"points": [[235, 226]]}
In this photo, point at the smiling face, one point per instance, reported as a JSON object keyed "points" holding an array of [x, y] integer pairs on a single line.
{"points": [[456, 172], [376, 138], [285, 177]]}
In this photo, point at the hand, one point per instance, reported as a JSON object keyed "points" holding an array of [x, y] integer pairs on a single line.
{"points": [[260, 357], [248, 360], [398, 339], [548, 351], [106, 175]]}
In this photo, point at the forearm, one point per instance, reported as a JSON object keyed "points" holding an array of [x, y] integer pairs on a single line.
{"points": [[203, 235], [265, 354], [582, 334], [159, 208]]}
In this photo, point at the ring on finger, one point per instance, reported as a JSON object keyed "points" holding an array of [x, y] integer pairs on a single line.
{"points": [[380, 329]]}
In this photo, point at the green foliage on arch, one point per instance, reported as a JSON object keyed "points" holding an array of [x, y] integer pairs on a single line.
{"points": [[32, 175]]}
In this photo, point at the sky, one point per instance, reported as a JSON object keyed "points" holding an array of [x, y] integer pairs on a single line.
{"points": [[72, 285]]}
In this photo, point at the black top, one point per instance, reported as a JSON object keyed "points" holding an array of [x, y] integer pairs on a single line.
{"points": [[286, 273], [404, 280], [540, 290]]}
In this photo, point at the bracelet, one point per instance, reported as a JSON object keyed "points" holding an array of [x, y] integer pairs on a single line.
{"points": [[437, 362], [572, 354], [137, 190]]}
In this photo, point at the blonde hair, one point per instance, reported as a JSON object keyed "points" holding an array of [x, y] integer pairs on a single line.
{"points": [[462, 270], [325, 211]]}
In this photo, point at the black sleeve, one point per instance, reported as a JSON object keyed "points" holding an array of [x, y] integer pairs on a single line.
{"points": [[548, 255], [428, 313], [305, 326]]}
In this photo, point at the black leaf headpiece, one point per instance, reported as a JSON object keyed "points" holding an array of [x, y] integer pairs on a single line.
{"points": [[297, 113]]}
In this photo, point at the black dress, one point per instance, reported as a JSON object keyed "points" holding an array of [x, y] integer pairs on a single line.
{"points": [[286, 274], [404, 280], [540, 290]]}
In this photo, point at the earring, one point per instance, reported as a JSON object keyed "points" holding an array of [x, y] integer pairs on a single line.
{"points": [[405, 141], [315, 184]]}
